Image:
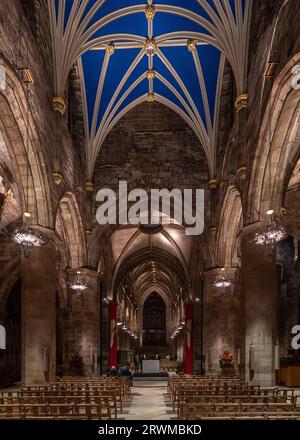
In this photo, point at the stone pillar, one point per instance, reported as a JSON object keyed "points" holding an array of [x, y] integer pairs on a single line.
{"points": [[82, 326], [188, 339], [38, 316], [259, 291], [180, 347], [197, 336], [113, 344], [221, 314]]}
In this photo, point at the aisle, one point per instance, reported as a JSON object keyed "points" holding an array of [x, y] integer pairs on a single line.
{"points": [[148, 404]]}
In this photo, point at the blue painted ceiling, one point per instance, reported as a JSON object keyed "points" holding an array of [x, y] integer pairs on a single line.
{"points": [[177, 81]]}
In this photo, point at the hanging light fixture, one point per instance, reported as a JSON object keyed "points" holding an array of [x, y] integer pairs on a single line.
{"points": [[25, 236], [178, 329], [222, 282], [78, 285], [271, 234]]}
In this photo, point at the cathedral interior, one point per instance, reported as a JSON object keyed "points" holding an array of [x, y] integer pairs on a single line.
{"points": [[172, 95]]}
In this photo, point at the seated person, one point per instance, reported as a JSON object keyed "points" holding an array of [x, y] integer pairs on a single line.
{"points": [[125, 372], [113, 372]]}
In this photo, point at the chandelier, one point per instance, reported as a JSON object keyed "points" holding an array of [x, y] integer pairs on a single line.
{"points": [[178, 329], [128, 330], [222, 282], [78, 285], [27, 238], [271, 234]]}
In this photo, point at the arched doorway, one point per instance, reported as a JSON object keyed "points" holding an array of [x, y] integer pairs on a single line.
{"points": [[154, 321], [10, 358]]}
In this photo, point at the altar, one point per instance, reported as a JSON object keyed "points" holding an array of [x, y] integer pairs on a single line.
{"points": [[150, 366]]}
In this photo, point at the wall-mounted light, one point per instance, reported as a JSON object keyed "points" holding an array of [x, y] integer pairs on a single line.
{"points": [[270, 69]]}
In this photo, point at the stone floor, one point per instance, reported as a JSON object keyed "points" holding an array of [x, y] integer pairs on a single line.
{"points": [[148, 403]]}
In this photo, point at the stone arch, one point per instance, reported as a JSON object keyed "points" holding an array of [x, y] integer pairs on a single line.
{"points": [[142, 255], [166, 299], [13, 118], [8, 277], [277, 147], [154, 316], [229, 227], [70, 229]]}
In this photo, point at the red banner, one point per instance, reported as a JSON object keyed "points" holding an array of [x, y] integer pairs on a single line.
{"points": [[113, 335], [188, 348]]}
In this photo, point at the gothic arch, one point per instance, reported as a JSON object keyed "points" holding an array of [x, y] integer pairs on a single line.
{"points": [[143, 255], [13, 116], [69, 227], [229, 227], [277, 147], [8, 277]]}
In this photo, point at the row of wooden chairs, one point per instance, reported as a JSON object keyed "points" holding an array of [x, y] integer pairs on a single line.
{"points": [[214, 398], [187, 400], [97, 399], [205, 382], [99, 409], [200, 411], [183, 389], [195, 395]]}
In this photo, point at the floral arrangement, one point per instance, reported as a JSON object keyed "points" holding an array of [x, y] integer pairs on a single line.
{"points": [[226, 360]]}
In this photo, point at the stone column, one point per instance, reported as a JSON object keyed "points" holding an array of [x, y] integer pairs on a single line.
{"points": [[38, 316], [82, 326], [221, 314], [259, 291], [188, 339]]}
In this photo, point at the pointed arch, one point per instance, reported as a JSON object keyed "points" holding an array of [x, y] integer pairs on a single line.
{"points": [[230, 222], [22, 159], [70, 229], [277, 147]]}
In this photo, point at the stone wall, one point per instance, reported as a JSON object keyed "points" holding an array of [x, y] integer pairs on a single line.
{"points": [[32, 33], [151, 147]]}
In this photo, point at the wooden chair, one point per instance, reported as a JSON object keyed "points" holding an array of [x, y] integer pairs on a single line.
{"points": [[10, 407]]}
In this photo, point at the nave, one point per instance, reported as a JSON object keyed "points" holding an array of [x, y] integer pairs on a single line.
{"points": [[149, 209], [180, 398]]}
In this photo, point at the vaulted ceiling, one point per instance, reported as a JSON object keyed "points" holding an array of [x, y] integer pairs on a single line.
{"points": [[130, 51]]}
